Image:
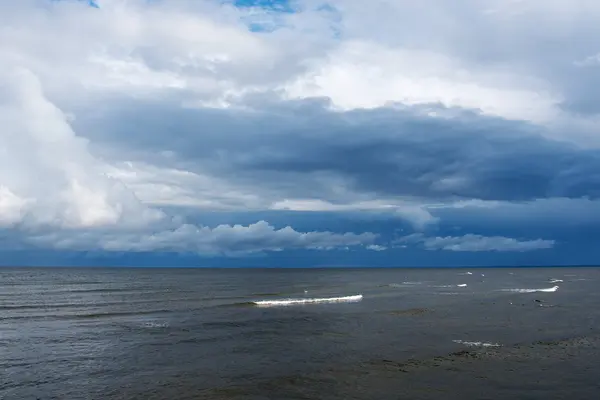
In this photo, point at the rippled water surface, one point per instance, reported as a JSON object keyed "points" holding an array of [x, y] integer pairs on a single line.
{"points": [[311, 334]]}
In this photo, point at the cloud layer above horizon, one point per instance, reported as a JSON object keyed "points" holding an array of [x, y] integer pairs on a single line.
{"points": [[400, 132]]}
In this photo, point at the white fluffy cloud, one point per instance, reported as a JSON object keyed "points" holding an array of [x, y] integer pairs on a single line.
{"points": [[478, 243], [369, 75], [220, 240], [142, 49], [47, 173]]}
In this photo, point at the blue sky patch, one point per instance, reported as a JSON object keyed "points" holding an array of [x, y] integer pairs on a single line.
{"points": [[274, 5]]}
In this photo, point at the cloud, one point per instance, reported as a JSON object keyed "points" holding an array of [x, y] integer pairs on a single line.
{"points": [[203, 49], [589, 61], [362, 74], [423, 112], [543, 215], [357, 54], [48, 175], [299, 149], [479, 243], [220, 240], [416, 214], [76, 193], [167, 186], [11, 207]]}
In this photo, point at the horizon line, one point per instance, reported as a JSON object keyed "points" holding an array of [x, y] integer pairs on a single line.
{"points": [[289, 268]]}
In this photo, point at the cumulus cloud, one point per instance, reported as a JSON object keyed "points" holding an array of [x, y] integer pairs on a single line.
{"points": [[479, 243], [376, 247], [47, 173], [206, 241]]}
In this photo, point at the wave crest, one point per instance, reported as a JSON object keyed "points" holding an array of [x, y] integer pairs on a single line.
{"points": [[289, 302], [477, 344], [546, 290]]}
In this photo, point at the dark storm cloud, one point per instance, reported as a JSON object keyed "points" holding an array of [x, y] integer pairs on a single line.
{"points": [[300, 147]]}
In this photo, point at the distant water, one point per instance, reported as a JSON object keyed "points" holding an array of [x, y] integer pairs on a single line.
{"points": [[299, 334]]}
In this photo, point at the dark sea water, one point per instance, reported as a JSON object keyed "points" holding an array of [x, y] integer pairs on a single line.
{"points": [[197, 334]]}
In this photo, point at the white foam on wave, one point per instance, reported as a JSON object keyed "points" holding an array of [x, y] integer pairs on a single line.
{"points": [[156, 324], [450, 286], [546, 290], [290, 302], [556, 280], [477, 344], [404, 284]]}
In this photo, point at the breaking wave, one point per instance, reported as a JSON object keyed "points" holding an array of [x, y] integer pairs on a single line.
{"points": [[477, 344], [546, 290], [450, 286], [555, 280], [289, 302]]}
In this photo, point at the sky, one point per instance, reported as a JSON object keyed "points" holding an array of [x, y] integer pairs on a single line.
{"points": [[266, 133]]}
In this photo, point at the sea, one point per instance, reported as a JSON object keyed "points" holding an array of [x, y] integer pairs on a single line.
{"points": [[151, 333]]}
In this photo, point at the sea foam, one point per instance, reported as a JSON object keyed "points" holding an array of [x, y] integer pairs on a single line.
{"points": [[476, 344], [156, 324], [450, 286], [546, 290], [404, 284], [289, 302]]}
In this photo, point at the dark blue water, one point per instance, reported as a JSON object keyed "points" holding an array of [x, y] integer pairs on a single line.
{"points": [[194, 333]]}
